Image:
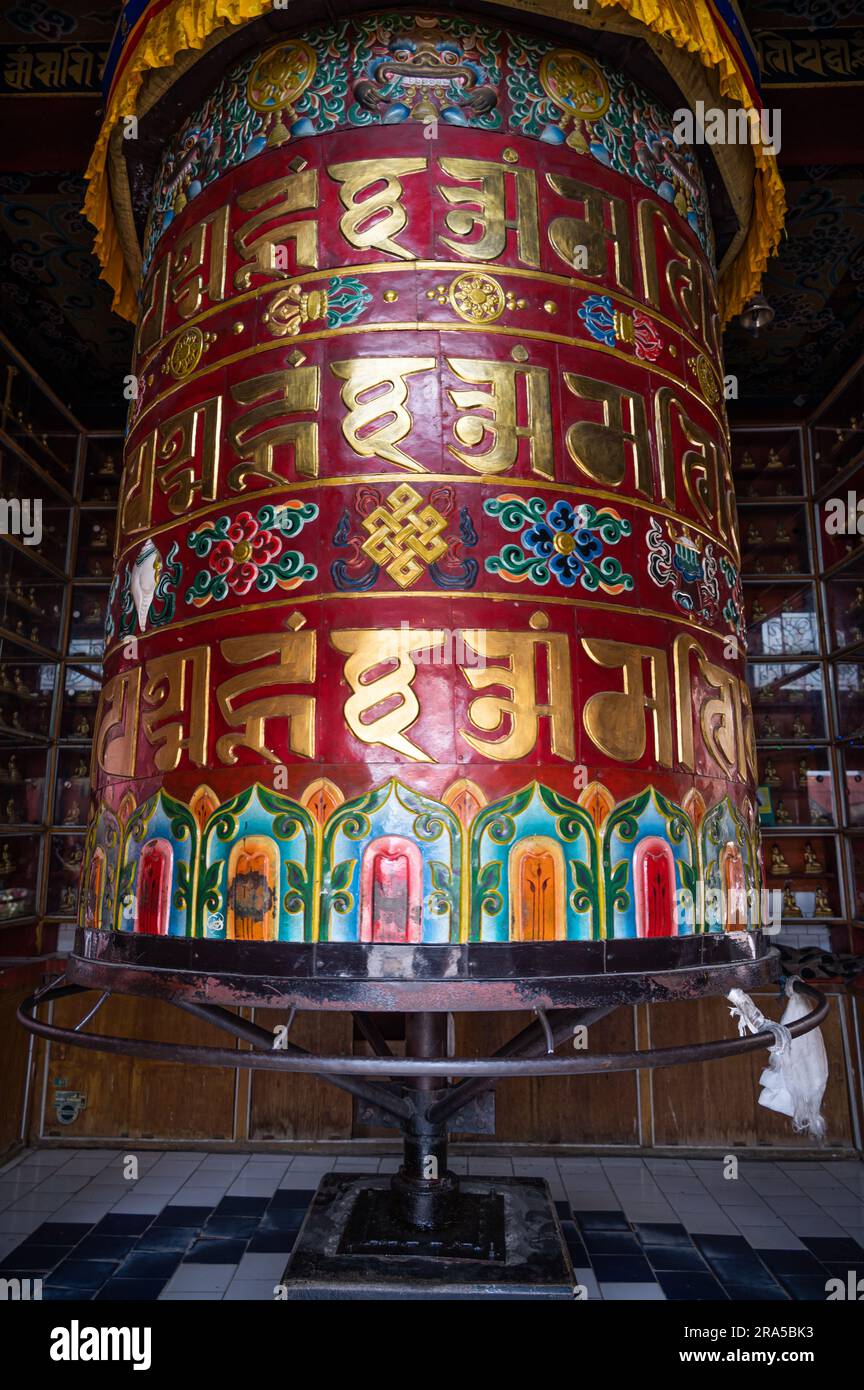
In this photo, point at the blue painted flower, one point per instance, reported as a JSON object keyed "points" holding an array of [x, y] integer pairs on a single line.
{"points": [[563, 542]]}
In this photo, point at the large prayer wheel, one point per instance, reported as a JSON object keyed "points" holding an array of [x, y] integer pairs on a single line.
{"points": [[426, 627]]}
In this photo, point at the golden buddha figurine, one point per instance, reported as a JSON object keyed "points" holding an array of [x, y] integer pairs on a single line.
{"points": [[11, 811], [778, 863], [780, 490], [108, 468], [759, 614], [803, 773], [781, 535], [789, 566], [754, 535], [7, 863], [811, 863], [783, 816], [68, 899], [18, 683], [82, 726], [73, 815], [81, 769], [769, 728], [19, 591], [770, 776], [790, 906], [747, 461], [822, 907], [799, 728], [13, 772], [774, 460]]}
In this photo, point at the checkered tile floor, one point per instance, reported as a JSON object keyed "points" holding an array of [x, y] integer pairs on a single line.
{"points": [[220, 1225]]}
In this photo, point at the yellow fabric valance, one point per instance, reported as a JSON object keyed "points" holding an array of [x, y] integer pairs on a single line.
{"points": [[180, 26]]}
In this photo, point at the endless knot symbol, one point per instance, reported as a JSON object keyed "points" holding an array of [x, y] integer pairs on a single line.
{"points": [[404, 539]]}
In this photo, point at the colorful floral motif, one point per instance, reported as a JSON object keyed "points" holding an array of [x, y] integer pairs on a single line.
{"points": [[246, 551], [566, 544]]}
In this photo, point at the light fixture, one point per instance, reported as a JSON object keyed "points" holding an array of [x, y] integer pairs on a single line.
{"points": [[756, 315]]}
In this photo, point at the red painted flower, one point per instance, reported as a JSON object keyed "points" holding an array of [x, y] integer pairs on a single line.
{"points": [[244, 551]]}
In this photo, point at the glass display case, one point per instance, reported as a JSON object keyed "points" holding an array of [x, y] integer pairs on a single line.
{"points": [[55, 570]]}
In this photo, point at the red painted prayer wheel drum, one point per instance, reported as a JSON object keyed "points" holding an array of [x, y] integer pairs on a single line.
{"points": [[424, 677]]}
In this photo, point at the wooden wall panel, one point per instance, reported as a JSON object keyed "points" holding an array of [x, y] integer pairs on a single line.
{"points": [[715, 1103], [300, 1107], [128, 1098], [569, 1110], [14, 1047]]}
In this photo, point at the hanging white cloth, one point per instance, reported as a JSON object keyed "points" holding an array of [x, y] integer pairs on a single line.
{"points": [[794, 1081]]}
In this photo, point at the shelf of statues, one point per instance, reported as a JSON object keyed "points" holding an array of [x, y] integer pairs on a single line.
{"points": [[781, 620], [95, 545], [71, 809], [63, 900], [791, 792], [836, 446], [79, 712], [26, 598], [800, 868], [846, 613], [41, 445], [102, 475], [768, 471], [772, 546], [18, 861], [88, 612]]}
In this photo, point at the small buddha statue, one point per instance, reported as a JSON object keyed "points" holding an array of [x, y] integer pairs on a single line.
{"points": [[7, 863], [109, 467], [34, 633], [759, 567], [33, 601], [811, 862], [770, 776], [780, 490], [803, 773], [769, 727], [789, 566], [16, 722], [73, 815], [98, 537], [783, 816], [81, 769], [18, 683], [11, 811], [13, 772], [747, 461], [68, 899], [779, 867], [799, 728], [790, 906], [754, 535], [759, 614], [781, 535], [19, 591], [774, 460], [822, 906], [82, 726]]}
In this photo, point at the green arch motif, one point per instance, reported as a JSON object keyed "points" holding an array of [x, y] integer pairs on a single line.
{"points": [[288, 819], [431, 820], [625, 819], [182, 826], [500, 820]]}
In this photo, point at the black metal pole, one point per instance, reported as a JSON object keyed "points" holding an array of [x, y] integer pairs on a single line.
{"points": [[423, 1193]]}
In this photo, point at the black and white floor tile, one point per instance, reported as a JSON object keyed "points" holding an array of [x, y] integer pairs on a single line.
{"points": [[197, 1225]]}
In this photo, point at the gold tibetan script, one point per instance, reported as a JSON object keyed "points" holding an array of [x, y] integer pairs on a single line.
{"points": [[501, 433], [271, 397], [363, 224], [179, 686], [263, 248], [601, 448], [295, 665], [520, 711], [116, 731], [377, 421], [368, 649], [198, 264], [615, 719], [569, 235], [486, 210]]}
